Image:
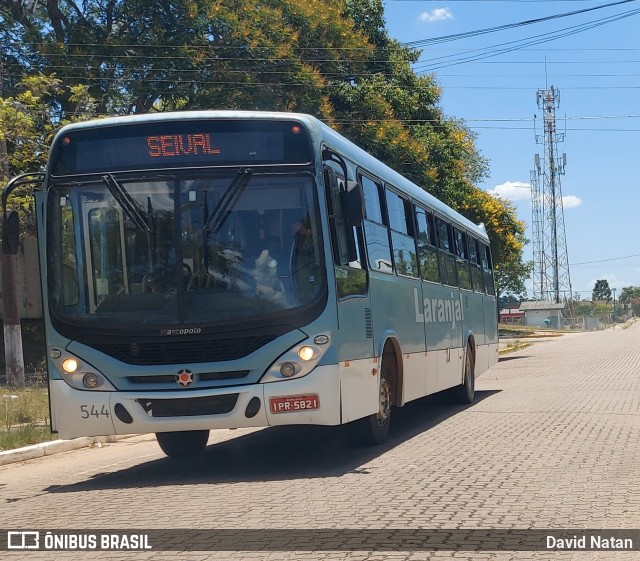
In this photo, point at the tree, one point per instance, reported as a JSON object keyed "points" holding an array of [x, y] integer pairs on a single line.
{"points": [[331, 59], [630, 295], [507, 237], [601, 291], [584, 308], [28, 121]]}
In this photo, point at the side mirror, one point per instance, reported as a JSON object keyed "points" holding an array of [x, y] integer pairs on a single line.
{"points": [[354, 205], [11, 233], [11, 220]]}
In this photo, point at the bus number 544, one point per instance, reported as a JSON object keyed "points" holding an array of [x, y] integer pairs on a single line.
{"points": [[94, 412]]}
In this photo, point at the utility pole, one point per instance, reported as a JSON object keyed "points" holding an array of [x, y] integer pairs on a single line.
{"points": [[13, 355], [551, 279]]}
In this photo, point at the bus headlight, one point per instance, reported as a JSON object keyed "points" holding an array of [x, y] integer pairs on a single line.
{"points": [[299, 360], [70, 365], [91, 380], [288, 369], [81, 375], [307, 353]]}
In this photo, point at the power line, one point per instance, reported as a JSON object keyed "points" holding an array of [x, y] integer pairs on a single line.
{"points": [[475, 33], [605, 260], [503, 48]]}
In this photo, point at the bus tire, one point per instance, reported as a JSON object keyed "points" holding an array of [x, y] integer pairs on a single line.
{"points": [[465, 392], [182, 443], [376, 426]]}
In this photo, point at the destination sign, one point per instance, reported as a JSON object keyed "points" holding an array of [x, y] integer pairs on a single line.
{"points": [[175, 144], [168, 145]]}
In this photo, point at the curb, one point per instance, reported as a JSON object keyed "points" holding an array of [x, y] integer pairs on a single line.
{"points": [[50, 448]]}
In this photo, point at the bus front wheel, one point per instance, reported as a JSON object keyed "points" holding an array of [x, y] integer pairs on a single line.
{"points": [[377, 425], [182, 443]]}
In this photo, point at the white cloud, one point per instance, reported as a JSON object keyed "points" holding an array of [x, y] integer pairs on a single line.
{"points": [[571, 201], [520, 191], [512, 190], [438, 14]]}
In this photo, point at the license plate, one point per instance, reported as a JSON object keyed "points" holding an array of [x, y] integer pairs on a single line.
{"points": [[292, 403]]}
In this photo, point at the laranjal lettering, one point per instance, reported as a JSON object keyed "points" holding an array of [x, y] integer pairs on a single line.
{"points": [[438, 310], [169, 145]]}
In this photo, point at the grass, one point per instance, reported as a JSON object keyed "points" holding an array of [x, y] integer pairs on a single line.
{"points": [[24, 413], [514, 346], [24, 417], [25, 435], [524, 331]]}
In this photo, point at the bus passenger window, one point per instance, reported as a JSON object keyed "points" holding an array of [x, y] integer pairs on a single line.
{"points": [[376, 235], [445, 255], [404, 247], [464, 274], [427, 253], [487, 268], [372, 205], [476, 269]]}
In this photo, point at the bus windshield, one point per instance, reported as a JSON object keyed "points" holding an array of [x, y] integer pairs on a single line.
{"points": [[185, 250]]}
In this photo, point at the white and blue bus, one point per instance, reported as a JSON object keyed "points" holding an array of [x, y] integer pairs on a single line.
{"points": [[224, 269]]}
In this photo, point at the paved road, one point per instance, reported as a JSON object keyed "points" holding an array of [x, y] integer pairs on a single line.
{"points": [[552, 442]]}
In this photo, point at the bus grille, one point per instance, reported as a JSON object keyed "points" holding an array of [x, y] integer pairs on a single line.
{"points": [[203, 377], [190, 406], [183, 352]]}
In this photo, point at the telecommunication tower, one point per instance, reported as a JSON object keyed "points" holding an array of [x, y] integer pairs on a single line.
{"points": [[551, 280]]}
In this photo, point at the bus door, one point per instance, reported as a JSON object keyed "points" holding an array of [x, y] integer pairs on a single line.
{"points": [[354, 339]]}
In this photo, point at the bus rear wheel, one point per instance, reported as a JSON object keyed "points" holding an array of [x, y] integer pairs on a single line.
{"points": [[182, 443]]}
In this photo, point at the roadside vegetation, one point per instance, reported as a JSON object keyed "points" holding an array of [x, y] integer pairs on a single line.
{"points": [[513, 346], [525, 331], [24, 417]]}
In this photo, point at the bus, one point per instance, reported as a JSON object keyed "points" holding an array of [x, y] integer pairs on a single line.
{"points": [[224, 269]]}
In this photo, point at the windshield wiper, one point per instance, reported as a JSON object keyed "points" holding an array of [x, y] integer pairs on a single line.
{"points": [[228, 201], [127, 203]]}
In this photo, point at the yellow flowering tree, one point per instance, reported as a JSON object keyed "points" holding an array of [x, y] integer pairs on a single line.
{"points": [[507, 235]]}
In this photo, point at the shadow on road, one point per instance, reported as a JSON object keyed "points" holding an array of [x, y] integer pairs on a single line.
{"points": [[503, 358], [279, 453]]}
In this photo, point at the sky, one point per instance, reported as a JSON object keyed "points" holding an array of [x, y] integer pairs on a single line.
{"points": [[593, 59]]}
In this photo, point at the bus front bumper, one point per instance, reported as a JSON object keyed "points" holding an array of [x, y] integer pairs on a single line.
{"points": [[313, 399]]}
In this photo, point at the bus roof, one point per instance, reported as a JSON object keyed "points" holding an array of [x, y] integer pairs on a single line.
{"points": [[321, 132]]}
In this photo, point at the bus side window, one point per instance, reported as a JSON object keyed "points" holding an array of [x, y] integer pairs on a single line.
{"points": [[445, 253], [464, 274], [476, 268], [401, 224], [351, 277], [70, 288], [427, 252], [375, 231], [487, 268]]}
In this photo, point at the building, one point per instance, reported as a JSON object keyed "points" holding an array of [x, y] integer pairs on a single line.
{"points": [[544, 313], [511, 316]]}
